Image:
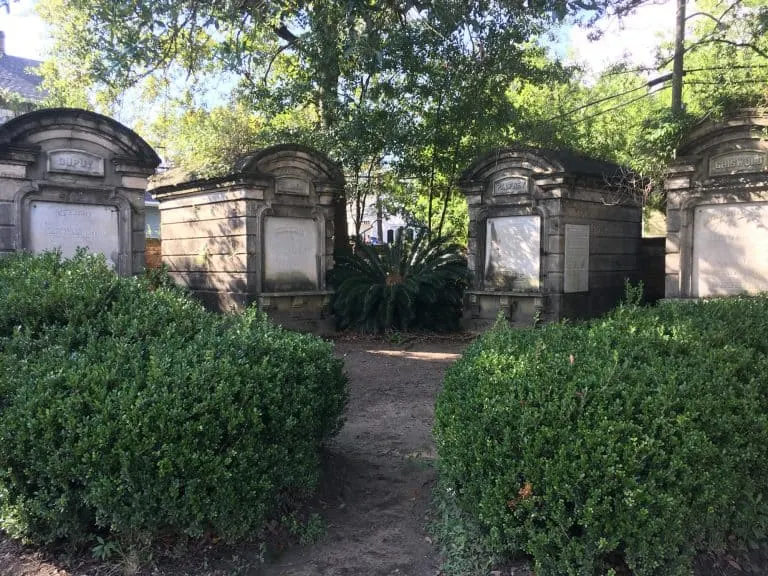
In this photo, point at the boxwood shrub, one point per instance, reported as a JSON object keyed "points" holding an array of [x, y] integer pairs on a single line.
{"points": [[629, 442], [127, 409]]}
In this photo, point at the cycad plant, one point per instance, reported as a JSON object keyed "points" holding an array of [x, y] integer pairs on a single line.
{"points": [[408, 284]]}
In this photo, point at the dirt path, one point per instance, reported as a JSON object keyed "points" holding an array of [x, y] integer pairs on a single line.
{"points": [[374, 495], [379, 472]]}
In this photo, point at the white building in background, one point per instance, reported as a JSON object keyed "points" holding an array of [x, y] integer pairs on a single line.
{"points": [[369, 227]]}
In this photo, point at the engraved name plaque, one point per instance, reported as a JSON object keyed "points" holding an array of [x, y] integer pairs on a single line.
{"points": [[741, 162], [75, 162], [728, 257], [510, 186], [512, 253], [290, 254], [66, 227]]}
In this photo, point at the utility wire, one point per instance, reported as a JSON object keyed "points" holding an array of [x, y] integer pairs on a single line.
{"points": [[627, 103], [715, 83], [599, 101], [650, 84], [706, 68], [655, 81]]}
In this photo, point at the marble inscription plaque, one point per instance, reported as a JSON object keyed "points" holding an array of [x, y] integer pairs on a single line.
{"points": [[513, 253], [740, 162], [290, 254], [510, 186], [729, 255], [64, 226], [294, 186], [576, 277], [75, 162]]}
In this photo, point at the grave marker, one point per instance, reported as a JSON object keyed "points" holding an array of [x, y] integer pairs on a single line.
{"points": [[290, 254], [512, 254], [66, 227]]}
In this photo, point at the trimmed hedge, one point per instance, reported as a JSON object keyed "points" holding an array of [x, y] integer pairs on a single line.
{"points": [[131, 410], [631, 441]]}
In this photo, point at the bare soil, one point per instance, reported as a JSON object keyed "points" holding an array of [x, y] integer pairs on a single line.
{"points": [[374, 496]]}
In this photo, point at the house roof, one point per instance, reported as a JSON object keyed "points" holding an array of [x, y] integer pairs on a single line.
{"points": [[15, 78]]}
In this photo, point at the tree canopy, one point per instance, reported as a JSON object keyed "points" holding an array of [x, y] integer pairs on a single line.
{"points": [[405, 93]]}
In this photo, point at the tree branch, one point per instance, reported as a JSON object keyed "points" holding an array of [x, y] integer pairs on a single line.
{"points": [[749, 45]]}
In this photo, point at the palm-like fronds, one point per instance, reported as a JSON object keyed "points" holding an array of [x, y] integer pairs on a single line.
{"points": [[406, 284]]}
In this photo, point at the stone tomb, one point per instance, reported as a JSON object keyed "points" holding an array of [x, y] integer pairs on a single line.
{"points": [[549, 237], [263, 234], [71, 178], [291, 257], [717, 210]]}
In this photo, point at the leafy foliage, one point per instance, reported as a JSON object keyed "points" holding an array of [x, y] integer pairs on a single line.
{"points": [[133, 413], [406, 284], [391, 90], [629, 442]]}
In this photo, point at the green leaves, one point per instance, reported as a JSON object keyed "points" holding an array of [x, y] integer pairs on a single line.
{"points": [[126, 409], [633, 440], [407, 284]]}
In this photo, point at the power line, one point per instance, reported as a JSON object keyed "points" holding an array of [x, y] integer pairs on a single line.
{"points": [[627, 103], [650, 84], [715, 83], [705, 68], [594, 102], [653, 82]]}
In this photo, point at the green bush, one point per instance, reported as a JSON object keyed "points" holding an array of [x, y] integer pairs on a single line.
{"points": [[399, 286], [630, 441], [126, 408]]}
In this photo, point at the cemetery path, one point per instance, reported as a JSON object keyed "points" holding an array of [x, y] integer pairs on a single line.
{"points": [[374, 497], [379, 471]]}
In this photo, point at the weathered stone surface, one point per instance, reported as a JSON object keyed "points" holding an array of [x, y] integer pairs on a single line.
{"points": [[66, 227], [134, 182], [7, 211], [674, 221], [672, 263], [268, 229], [194, 246], [566, 194], [201, 212], [576, 268], [207, 280], [290, 254], [7, 239], [513, 252], [729, 249], [203, 229], [201, 197], [673, 243], [75, 162], [59, 172], [203, 262], [13, 171], [716, 220], [9, 187], [738, 162], [511, 185]]}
